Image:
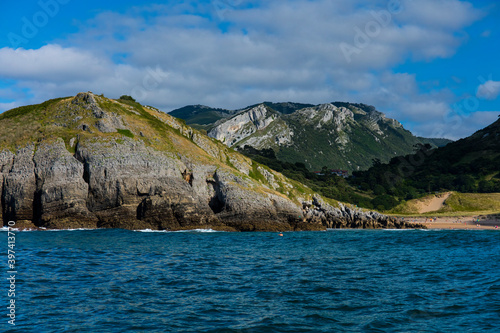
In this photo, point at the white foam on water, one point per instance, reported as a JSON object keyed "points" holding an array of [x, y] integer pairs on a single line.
{"points": [[199, 230], [78, 229], [401, 229], [341, 229], [43, 229], [168, 231], [149, 230], [15, 229], [6, 229]]}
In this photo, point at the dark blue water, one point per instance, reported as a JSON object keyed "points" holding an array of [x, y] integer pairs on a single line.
{"points": [[336, 281]]}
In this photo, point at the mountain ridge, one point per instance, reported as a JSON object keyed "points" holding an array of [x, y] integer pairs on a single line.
{"points": [[337, 135]]}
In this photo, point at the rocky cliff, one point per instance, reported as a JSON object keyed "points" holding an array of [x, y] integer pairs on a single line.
{"points": [[243, 125], [91, 162]]}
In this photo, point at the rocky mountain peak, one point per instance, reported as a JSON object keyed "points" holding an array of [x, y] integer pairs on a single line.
{"points": [[86, 100], [324, 114], [258, 115]]}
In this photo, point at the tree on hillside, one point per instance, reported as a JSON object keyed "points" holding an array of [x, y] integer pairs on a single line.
{"points": [[127, 98]]}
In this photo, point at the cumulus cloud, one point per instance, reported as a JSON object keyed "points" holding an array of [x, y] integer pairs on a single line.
{"points": [[172, 55], [9, 106], [442, 14], [51, 63], [454, 126], [489, 90], [426, 111]]}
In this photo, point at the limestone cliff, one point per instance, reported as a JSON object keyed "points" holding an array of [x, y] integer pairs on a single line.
{"points": [[242, 125], [91, 162]]}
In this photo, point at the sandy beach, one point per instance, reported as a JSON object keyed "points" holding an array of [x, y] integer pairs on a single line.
{"points": [[465, 223]]}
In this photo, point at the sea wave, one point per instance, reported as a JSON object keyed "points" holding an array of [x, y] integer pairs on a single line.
{"points": [[15, 229], [78, 229], [168, 231], [42, 229], [5, 229], [402, 229]]}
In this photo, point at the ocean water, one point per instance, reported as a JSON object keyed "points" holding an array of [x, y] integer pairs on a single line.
{"points": [[334, 281]]}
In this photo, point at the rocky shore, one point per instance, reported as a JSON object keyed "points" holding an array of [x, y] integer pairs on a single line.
{"points": [[130, 186]]}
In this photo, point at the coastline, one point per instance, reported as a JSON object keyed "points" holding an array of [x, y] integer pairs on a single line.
{"points": [[456, 223], [409, 222]]}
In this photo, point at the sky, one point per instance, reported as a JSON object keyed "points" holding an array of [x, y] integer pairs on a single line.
{"points": [[431, 64]]}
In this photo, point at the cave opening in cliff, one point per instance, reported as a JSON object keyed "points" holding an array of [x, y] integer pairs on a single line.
{"points": [[215, 203]]}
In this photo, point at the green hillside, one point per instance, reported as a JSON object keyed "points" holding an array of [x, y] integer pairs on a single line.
{"points": [[468, 165], [74, 121], [457, 204], [200, 116]]}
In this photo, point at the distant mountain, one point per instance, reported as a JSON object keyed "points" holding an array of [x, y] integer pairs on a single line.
{"points": [[336, 135], [201, 116], [435, 142], [284, 108]]}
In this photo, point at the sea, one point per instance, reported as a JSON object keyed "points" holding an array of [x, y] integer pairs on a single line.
{"points": [[206, 281]]}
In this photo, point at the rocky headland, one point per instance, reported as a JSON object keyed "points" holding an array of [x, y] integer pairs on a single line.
{"points": [[91, 162]]}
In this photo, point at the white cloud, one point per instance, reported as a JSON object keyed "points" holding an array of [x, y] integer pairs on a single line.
{"points": [[453, 126], [489, 90], [277, 51], [448, 15], [52, 63], [9, 106], [426, 111]]}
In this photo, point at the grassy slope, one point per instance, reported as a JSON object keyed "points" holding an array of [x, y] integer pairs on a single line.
{"points": [[59, 118], [456, 205], [435, 142], [319, 148]]}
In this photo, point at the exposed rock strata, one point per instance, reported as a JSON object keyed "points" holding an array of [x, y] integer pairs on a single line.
{"points": [[243, 125], [61, 192], [6, 160], [129, 185], [19, 187]]}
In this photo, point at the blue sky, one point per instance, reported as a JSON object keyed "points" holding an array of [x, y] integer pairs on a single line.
{"points": [[431, 64]]}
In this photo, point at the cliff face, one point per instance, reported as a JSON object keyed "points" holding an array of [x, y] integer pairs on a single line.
{"points": [[128, 185], [243, 125], [99, 163]]}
